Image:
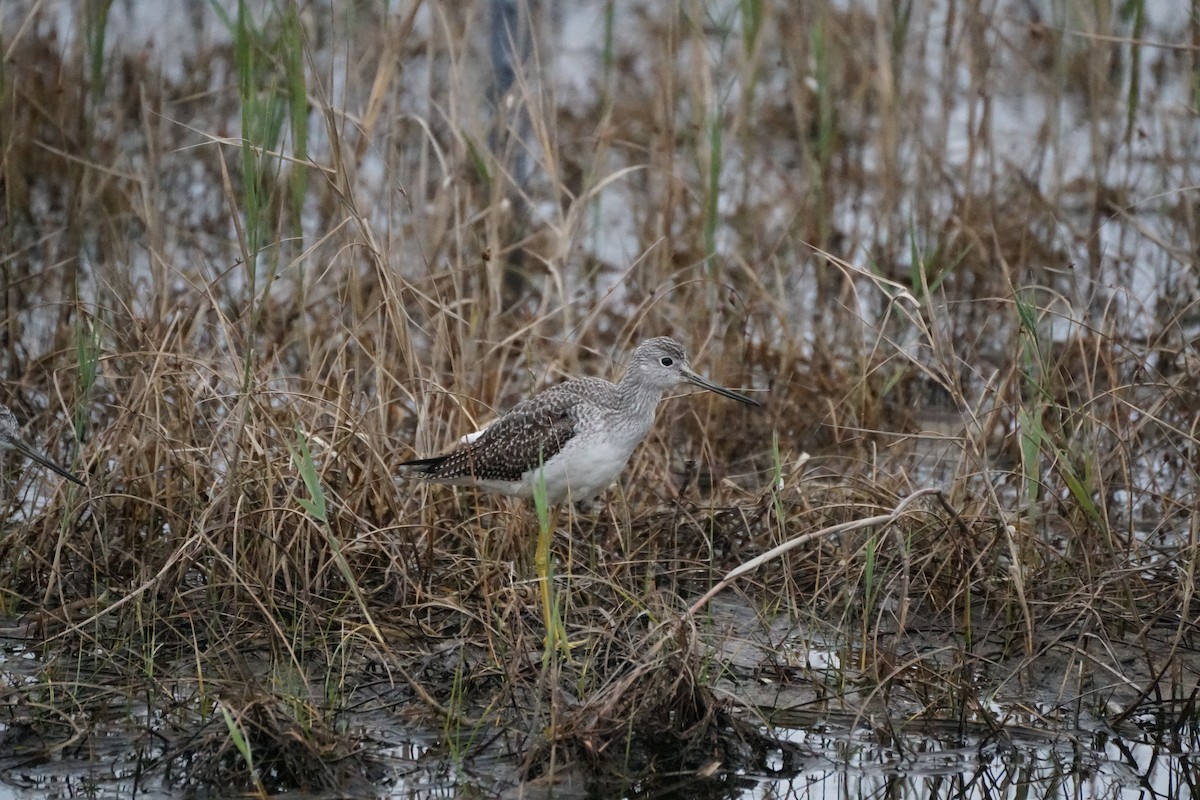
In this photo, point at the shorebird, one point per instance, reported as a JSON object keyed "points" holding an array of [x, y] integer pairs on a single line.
{"points": [[573, 438], [10, 439]]}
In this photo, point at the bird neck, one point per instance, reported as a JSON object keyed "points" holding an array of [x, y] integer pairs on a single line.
{"points": [[637, 396]]}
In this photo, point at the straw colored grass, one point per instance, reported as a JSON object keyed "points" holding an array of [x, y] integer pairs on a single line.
{"points": [[239, 293]]}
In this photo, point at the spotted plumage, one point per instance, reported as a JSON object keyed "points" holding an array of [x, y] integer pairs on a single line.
{"points": [[580, 433], [532, 431]]}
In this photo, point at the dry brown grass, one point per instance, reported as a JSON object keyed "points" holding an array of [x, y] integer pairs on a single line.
{"points": [[426, 282]]}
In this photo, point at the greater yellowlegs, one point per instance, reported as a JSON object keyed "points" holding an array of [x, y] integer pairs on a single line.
{"points": [[10, 439], [580, 433]]}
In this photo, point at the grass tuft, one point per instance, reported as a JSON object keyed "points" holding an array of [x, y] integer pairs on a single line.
{"points": [[242, 282]]}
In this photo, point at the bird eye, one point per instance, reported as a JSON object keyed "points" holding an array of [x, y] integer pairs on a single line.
{"points": [[666, 361]]}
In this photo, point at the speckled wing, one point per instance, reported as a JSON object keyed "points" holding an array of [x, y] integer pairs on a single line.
{"points": [[528, 435]]}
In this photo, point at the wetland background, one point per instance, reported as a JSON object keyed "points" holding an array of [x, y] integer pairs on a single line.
{"points": [[256, 254]]}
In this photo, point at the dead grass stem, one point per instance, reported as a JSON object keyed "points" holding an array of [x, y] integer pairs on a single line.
{"points": [[236, 302]]}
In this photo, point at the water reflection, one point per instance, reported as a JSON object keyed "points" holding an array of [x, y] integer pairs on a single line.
{"points": [[1086, 765]]}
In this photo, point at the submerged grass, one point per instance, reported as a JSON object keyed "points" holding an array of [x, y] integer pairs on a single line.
{"points": [[955, 487]]}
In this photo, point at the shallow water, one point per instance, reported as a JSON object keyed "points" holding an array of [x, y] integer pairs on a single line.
{"points": [[1069, 765], [1068, 757], [1019, 749], [832, 764]]}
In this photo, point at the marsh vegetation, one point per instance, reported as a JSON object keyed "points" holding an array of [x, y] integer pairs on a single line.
{"points": [[255, 255]]}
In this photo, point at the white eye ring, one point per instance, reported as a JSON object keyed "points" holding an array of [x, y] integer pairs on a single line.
{"points": [[666, 361]]}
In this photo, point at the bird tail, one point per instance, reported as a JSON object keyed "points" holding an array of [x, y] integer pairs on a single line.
{"points": [[424, 466]]}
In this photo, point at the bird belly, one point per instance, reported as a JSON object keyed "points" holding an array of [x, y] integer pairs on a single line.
{"points": [[580, 471]]}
